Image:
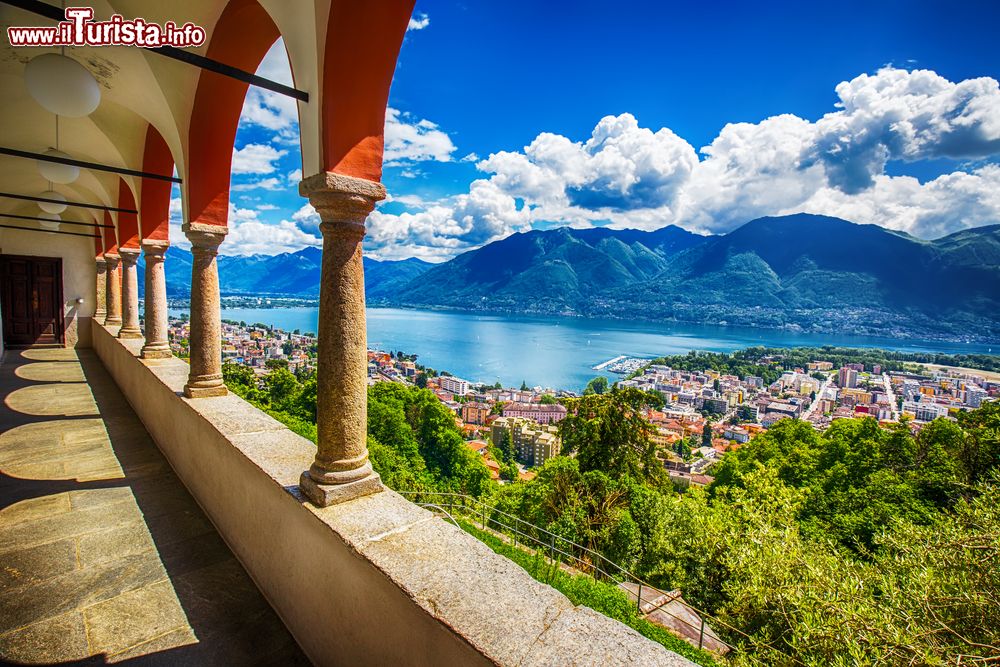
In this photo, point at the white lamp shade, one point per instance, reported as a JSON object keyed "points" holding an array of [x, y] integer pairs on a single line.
{"points": [[50, 224], [49, 207], [55, 172], [62, 85]]}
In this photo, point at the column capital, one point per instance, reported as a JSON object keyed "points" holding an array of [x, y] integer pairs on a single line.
{"points": [[342, 202], [100, 261], [155, 249], [112, 260], [204, 237], [129, 256]]}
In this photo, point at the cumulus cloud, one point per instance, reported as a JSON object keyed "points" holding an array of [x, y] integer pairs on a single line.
{"points": [[442, 230], [248, 235], [904, 115], [418, 22], [409, 140], [627, 175], [268, 109], [256, 159], [271, 183]]}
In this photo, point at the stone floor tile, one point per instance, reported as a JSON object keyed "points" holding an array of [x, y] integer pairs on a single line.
{"points": [[103, 546], [57, 639], [77, 589], [66, 524], [134, 618], [34, 509], [24, 567], [162, 645], [95, 522]]}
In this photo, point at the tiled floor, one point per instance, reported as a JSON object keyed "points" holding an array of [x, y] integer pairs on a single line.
{"points": [[104, 556]]}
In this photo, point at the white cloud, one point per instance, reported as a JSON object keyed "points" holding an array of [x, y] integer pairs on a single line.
{"points": [[418, 22], [443, 230], [409, 140], [627, 175], [897, 114], [271, 183], [268, 109], [630, 176], [256, 159], [176, 214], [294, 176], [248, 235]]}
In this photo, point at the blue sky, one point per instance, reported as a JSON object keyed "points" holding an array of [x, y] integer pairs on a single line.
{"points": [[511, 116]]}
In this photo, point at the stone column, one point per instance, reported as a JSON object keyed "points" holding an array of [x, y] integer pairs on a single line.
{"points": [[157, 346], [205, 341], [113, 291], [130, 294], [101, 290], [341, 470]]}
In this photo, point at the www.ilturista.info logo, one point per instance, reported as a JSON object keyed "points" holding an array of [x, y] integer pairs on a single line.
{"points": [[79, 29]]}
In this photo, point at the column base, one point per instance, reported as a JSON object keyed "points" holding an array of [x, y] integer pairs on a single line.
{"points": [[155, 353], [205, 392], [113, 322], [324, 495], [129, 333]]}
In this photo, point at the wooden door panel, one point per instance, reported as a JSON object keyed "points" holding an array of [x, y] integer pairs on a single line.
{"points": [[31, 300]]}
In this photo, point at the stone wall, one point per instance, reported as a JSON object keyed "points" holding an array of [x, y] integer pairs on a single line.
{"points": [[376, 580]]}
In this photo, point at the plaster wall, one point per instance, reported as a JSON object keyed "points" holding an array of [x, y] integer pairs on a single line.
{"points": [[79, 276]]}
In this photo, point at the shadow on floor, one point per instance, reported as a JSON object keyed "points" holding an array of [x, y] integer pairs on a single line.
{"points": [[115, 561]]}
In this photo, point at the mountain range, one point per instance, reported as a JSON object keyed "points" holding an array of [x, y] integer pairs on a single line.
{"points": [[288, 274], [800, 271]]}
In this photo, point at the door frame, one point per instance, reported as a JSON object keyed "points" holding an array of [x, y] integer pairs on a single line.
{"points": [[61, 302]]}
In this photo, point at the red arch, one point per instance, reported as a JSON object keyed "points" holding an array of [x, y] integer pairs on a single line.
{"points": [[128, 223], [362, 45], [154, 215], [110, 242], [241, 38]]}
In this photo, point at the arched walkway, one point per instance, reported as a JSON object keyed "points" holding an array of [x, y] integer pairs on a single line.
{"points": [[103, 552]]}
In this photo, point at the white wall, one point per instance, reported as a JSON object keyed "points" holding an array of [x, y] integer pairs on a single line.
{"points": [[79, 275]]}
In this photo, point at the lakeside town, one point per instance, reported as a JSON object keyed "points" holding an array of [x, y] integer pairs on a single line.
{"points": [[705, 414]]}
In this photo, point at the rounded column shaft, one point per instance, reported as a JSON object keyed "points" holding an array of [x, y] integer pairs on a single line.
{"points": [[341, 470], [113, 291], [205, 342], [157, 346], [130, 294], [101, 291]]}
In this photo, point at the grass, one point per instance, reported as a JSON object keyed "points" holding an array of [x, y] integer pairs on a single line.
{"points": [[581, 589]]}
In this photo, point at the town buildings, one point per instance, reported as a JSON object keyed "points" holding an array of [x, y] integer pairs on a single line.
{"points": [[533, 442]]}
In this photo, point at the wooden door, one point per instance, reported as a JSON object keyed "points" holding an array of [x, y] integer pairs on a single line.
{"points": [[31, 297]]}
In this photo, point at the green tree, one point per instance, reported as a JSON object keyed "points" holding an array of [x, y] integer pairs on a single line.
{"points": [[610, 433], [282, 389], [548, 399], [420, 380], [597, 385]]}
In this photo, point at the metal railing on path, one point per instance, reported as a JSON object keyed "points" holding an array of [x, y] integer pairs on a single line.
{"points": [[651, 603]]}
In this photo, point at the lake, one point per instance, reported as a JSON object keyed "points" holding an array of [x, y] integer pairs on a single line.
{"points": [[558, 352]]}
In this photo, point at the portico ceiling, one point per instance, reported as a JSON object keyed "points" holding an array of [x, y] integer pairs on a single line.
{"points": [[139, 88]]}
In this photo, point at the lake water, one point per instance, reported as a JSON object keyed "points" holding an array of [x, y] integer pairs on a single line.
{"points": [[555, 351]]}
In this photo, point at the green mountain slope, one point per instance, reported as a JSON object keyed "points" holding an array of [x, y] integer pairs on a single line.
{"points": [[800, 271]]}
